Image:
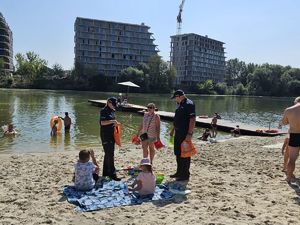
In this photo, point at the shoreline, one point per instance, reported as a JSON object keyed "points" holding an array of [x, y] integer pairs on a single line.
{"points": [[233, 182]]}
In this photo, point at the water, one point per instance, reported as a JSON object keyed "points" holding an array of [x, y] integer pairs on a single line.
{"points": [[31, 110]]}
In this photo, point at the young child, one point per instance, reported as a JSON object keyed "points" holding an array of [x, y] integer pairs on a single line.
{"points": [[10, 130], [144, 184], [86, 173], [54, 128], [236, 132], [205, 135], [285, 152]]}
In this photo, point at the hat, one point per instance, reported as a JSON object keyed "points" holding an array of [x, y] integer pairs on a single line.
{"points": [[145, 162], [113, 101], [177, 93]]}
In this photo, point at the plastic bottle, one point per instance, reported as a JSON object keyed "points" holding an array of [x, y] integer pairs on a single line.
{"points": [[171, 142]]}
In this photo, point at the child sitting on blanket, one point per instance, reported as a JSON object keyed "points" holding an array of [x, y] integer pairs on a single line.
{"points": [[86, 172], [144, 184]]}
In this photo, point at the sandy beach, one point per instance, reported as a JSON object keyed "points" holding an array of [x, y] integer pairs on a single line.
{"points": [[233, 182]]}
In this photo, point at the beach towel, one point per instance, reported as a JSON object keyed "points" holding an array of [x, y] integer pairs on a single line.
{"points": [[111, 194]]}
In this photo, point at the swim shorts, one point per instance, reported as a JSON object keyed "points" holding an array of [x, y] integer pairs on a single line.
{"points": [[294, 140]]}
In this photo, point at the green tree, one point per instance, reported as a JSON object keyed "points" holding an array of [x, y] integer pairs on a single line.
{"points": [[30, 66], [2, 67], [206, 87], [57, 70], [236, 72], [221, 88], [294, 87], [240, 90]]}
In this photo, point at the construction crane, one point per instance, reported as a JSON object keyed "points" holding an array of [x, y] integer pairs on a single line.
{"points": [[179, 20]]}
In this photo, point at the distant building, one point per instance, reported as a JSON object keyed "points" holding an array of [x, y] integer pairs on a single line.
{"points": [[110, 46], [6, 45], [197, 58]]}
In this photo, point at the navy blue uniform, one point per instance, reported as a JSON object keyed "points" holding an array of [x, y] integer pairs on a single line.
{"points": [[108, 141], [184, 112]]}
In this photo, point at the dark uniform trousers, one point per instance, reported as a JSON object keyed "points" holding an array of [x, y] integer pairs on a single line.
{"points": [[183, 164], [108, 144]]}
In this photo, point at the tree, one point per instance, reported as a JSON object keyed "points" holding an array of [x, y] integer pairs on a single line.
{"points": [[206, 87], [294, 87], [1, 66], [133, 74], [57, 70], [30, 65], [221, 88], [240, 90], [236, 71]]}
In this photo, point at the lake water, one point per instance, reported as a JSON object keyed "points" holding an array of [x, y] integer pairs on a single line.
{"points": [[31, 110]]}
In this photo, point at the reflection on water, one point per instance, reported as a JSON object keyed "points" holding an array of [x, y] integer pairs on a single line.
{"points": [[30, 112]]}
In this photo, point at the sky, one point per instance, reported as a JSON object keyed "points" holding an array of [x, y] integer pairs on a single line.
{"points": [[257, 31]]}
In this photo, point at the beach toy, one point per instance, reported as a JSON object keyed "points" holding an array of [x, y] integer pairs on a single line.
{"points": [[159, 178], [187, 149], [59, 124], [158, 144], [135, 140], [117, 134], [171, 142], [271, 131]]}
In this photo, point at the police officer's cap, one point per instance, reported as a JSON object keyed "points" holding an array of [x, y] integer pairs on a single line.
{"points": [[113, 101], [177, 93]]}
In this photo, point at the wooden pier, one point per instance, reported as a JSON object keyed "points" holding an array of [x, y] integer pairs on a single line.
{"points": [[222, 125], [123, 107]]}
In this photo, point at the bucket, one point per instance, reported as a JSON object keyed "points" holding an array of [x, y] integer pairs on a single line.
{"points": [[158, 144], [159, 178]]}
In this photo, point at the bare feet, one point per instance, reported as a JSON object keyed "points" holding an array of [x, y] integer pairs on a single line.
{"points": [[290, 179]]}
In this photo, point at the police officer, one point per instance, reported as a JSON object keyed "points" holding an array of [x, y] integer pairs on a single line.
{"points": [[184, 124], [107, 124]]}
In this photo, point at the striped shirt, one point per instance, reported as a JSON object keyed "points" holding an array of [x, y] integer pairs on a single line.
{"points": [[149, 125]]}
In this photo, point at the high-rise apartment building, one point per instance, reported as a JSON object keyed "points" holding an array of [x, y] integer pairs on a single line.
{"points": [[197, 58], [6, 45], [110, 46]]}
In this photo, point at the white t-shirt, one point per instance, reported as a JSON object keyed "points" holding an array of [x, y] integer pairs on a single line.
{"points": [[148, 183], [84, 176]]}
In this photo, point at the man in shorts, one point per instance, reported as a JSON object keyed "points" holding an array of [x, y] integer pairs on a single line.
{"points": [[291, 116]]}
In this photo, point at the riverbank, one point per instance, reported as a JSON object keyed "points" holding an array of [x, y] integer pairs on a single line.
{"points": [[234, 182]]}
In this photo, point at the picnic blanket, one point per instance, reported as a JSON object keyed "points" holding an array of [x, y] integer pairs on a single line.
{"points": [[111, 194]]}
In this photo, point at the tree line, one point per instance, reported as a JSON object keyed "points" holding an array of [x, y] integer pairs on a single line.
{"points": [[155, 76]]}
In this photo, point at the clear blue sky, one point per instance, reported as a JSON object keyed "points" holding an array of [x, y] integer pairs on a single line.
{"points": [[256, 31]]}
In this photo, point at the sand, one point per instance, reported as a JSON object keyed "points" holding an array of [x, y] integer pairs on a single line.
{"points": [[234, 182]]}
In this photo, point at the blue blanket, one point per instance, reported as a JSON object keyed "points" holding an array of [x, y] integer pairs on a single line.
{"points": [[111, 194]]}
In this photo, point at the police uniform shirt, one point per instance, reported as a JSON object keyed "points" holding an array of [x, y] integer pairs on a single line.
{"points": [[107, 114], [184, 111]]}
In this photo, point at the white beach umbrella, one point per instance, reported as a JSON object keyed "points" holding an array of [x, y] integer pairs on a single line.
{"points": [[128, 84]]}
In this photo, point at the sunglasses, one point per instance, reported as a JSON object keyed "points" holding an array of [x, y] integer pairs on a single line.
{"points": [[150, 107]]}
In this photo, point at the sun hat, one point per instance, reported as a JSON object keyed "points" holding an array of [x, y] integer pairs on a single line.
{"points": [[145, 162]]}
